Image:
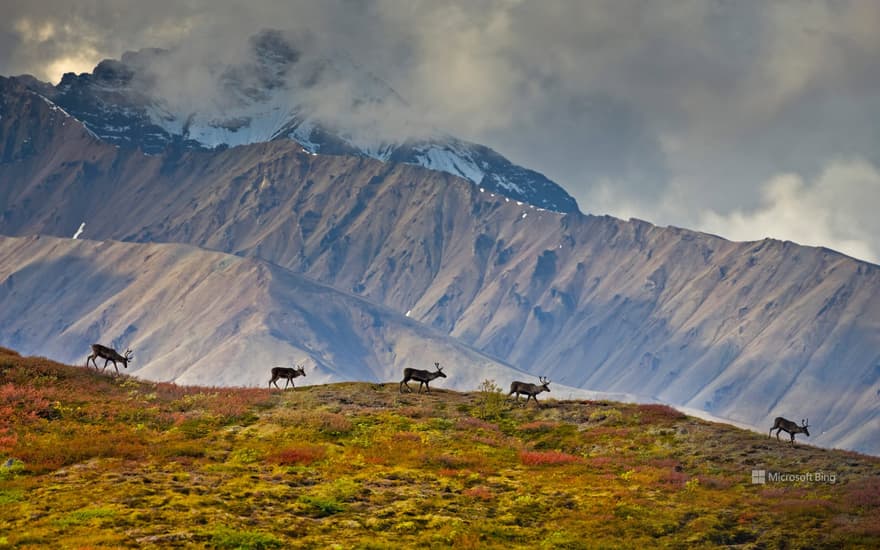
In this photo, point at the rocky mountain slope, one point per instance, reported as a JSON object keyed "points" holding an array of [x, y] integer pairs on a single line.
{"points": [[279, 90], [742, 330], [195, 316]]}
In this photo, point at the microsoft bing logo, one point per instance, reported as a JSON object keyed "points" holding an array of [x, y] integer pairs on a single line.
{"points": [[762, 477]]}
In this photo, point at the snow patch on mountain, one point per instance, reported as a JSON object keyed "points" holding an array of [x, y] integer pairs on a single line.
{"points": [[55, 107], [448, 159]]}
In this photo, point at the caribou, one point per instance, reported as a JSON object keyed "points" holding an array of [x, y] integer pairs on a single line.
{"points": [[109, 355], [289, 374], [420, 376], [781, 424], [531, 391]]}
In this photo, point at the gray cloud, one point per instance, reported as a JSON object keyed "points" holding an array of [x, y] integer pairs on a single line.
{"points": [[683, 112], [836, 210]]}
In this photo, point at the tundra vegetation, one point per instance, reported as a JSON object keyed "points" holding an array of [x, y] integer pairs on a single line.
{"points": [[93, 460]]}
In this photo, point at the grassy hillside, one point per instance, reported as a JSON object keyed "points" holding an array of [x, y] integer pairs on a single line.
{"points": [[92, 460]]}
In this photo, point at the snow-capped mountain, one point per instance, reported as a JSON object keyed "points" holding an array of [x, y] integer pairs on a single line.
{"points": [[280, 89]]}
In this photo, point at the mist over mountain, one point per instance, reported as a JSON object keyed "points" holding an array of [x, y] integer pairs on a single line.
{"points": [[746, 331], [280, 87]]}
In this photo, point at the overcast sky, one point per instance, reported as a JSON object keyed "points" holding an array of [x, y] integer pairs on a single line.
{"points": [[745, 119]]}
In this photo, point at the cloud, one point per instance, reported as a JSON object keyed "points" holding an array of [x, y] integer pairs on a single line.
{"points": [[837, 210]]}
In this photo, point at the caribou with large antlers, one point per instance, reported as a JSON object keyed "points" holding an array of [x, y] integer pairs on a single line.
{"points": [[420, 376], [289, 374], [783, 425], [531, 391], [109, 355]]}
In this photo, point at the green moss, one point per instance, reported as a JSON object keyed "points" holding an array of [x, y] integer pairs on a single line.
{"points": [[563, 540], [224, 537], [440, 424], [85, 515], [606, 415], [321, 505], [247, 455], [10, 468], [8, 496], [196, 428]]}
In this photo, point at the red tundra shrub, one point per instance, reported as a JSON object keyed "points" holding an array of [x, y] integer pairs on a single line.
{"points": [[300, 454], [546, 458]]}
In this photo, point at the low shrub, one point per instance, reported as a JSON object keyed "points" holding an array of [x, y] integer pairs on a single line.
{"points": [[547, 458], [468, 423], [607, 415], [333, 424], [538, 426], [491, 401], [299, 454], [480, 492], [654, 412], [865, 494]]}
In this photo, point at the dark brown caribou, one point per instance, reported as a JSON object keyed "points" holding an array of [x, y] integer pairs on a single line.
{"points": [[783, 425], [420, 376], [531, 391], [288, 373], [109, 355]]}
